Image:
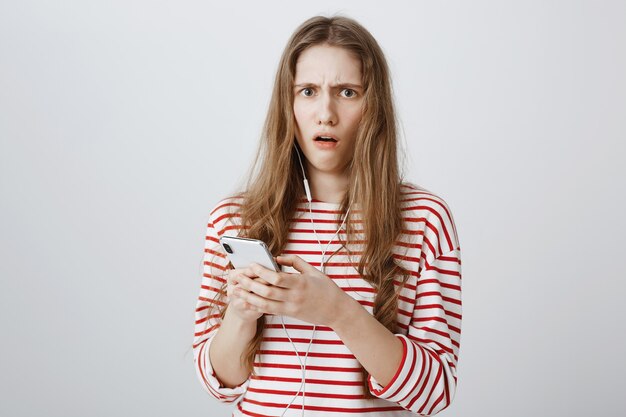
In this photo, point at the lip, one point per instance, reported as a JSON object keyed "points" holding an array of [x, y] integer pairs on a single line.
{"points": [[327, 134], [325, 145]]}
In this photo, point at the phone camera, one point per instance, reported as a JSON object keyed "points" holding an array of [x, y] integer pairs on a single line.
{"points": [[228, 248]]}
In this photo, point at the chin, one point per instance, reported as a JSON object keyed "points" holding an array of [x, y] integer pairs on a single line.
{"points": [[328, 168]]}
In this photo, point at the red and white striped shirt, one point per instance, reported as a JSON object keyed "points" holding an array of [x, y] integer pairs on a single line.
{"points": [[429, 319]]}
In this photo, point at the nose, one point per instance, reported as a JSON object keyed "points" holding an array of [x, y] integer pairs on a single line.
{"points": [[326, 112]]}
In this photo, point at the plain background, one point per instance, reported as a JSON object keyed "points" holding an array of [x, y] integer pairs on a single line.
{"points": [[123, 122]]}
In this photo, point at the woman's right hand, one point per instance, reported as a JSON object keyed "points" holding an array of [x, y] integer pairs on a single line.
{"points": [[243, 310]]}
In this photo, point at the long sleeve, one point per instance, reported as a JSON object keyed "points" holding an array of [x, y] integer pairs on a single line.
{"points": [[425, 381], [428, 325], [207, 318]]}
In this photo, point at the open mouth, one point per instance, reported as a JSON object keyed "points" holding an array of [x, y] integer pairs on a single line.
{"points": [[325, 139]]}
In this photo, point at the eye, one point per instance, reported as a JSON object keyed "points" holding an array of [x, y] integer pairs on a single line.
{"points": [[304, 90], [352, 92]]}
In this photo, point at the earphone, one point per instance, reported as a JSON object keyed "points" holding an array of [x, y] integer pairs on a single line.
{"points": [[309, 198]]}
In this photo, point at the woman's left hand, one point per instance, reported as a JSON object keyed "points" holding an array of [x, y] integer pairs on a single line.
{"points": [[308, 296]]}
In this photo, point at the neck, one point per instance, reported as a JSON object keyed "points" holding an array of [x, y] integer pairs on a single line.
{"points": [[328, 187]]}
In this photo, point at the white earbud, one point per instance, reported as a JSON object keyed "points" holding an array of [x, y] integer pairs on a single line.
{"points": [[306, 182], [308, 190]]}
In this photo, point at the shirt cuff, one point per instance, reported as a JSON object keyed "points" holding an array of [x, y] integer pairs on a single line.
{"points": [[400, 377], [210, 378]]}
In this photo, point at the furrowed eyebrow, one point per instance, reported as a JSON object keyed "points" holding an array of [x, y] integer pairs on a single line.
{"points": [[342, 85]]}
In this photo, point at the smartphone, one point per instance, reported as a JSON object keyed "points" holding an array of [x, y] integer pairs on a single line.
{"points": [[242, 252]]}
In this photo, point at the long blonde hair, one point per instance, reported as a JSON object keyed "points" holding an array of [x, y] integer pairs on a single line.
{"points": [[275, 188]]}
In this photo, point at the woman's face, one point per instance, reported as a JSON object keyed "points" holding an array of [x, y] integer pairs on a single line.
{"points": [[328, 100]]}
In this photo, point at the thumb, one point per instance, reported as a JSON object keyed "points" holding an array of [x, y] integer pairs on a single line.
{"points": [[295, 262]]}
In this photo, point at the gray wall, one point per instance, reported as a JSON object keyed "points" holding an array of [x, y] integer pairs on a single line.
{"points": [[119, 119]]}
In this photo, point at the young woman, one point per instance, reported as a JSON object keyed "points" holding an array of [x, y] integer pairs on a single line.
{"points": [[365, 317]]}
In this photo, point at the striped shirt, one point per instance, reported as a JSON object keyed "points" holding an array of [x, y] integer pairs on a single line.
{"points": [[428, 319]]}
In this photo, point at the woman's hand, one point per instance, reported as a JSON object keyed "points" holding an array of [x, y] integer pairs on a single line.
{"points": [[308, 295], [237, 305]]}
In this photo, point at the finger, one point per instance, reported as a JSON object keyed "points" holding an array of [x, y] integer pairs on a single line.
{"points": [[278, 279], [230, 290], [261, 304], [234, 276], [229, 275], [295, 262], [270, 292], [242, 304], [248, 272]]}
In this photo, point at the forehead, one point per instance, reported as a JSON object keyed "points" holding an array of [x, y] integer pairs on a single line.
{"points": [[327, 63]]}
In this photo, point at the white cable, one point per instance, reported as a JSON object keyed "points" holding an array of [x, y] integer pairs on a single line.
{"points": [[322, 267], [303, 367], [295, 349], [302, 387]]}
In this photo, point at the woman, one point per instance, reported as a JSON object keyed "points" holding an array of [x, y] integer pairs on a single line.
{"points": [[365, 317]]}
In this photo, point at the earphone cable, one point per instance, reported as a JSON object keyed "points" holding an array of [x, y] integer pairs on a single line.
{"points": [[309, 198]]}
